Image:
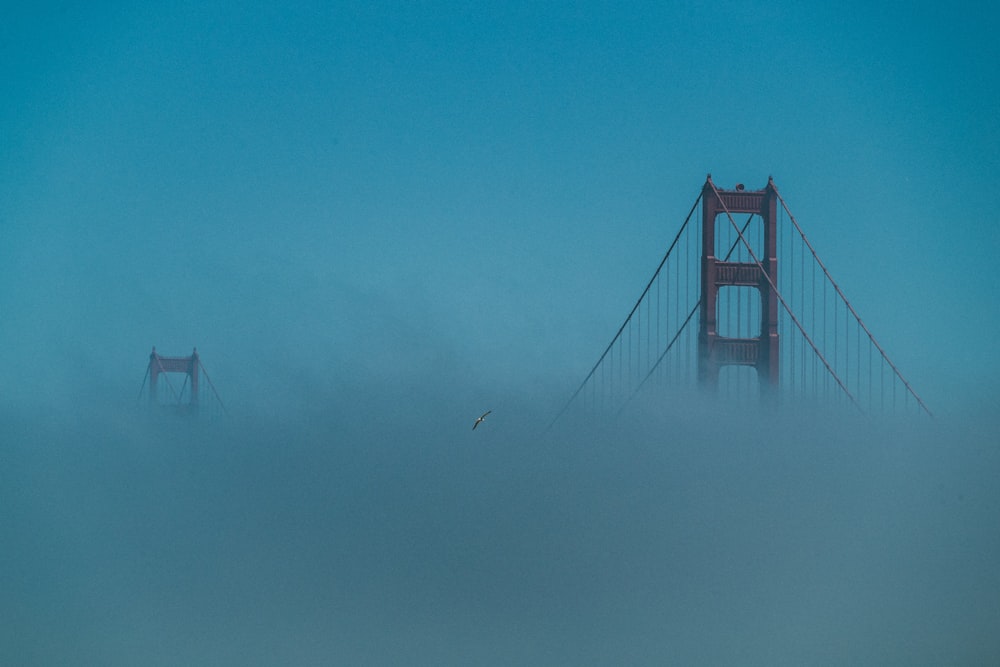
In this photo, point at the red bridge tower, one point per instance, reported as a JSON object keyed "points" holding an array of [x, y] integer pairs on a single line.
{"points": [[715, 351], [187, 365]]}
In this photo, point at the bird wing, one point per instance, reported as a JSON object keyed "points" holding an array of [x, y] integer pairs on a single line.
{"points": [[481, 418]]}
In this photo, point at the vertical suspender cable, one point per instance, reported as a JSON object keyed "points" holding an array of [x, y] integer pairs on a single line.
{"points": [[895, 370]]}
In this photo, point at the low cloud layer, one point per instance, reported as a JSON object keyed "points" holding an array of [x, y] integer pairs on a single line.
{"points": [[400, 536]]}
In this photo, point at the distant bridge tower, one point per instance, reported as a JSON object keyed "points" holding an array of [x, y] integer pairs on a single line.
{"points": [[760, 351], [188, 365]]}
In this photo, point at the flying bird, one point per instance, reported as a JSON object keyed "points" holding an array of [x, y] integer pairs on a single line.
{"points": [[481, 418]]}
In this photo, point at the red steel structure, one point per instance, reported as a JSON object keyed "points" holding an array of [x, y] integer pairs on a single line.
{"points": [[729, 279], [187, 365], [761, 351]]}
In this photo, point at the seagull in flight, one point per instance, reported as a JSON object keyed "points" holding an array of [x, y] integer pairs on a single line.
{"points": [[481, 418]]}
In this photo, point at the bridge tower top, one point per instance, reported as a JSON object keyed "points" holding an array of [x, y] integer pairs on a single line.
{"points": [[744, 311], [761, 350], [190, 365]]}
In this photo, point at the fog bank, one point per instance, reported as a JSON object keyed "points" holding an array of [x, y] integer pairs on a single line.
{"points": [[683, 536]]}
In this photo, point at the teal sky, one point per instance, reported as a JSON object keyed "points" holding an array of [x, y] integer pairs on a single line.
{"points": [[365, 189]]}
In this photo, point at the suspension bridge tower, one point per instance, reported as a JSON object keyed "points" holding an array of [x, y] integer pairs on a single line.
{"points": [[189, 399], [715, 350], [187, 365], [826, 351]]}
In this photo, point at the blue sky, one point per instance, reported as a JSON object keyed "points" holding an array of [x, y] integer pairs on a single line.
{"points": [[377, 220], [489, 184]]}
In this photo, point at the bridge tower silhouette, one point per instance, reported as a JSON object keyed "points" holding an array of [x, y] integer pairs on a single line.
{"points": [[794, 330], [187, 400], [761, 351], [188, 365]]}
